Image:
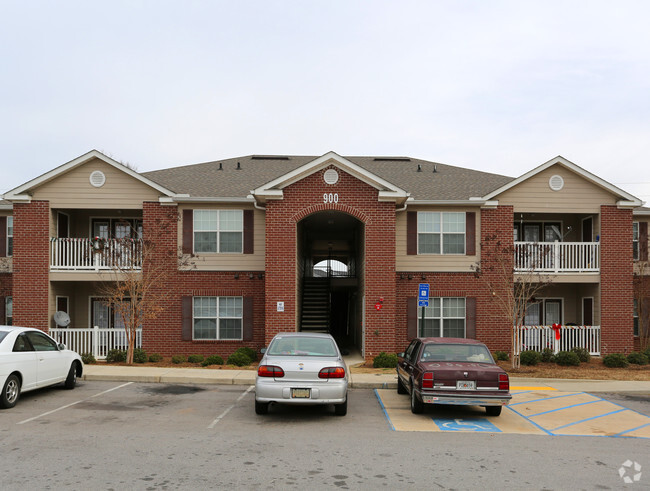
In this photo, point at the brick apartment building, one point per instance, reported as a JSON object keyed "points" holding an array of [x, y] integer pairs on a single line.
{"points": [[286, 243]]}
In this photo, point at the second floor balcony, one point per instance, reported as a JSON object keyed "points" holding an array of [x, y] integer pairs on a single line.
{"points": [[557, 257], [85, 254]]}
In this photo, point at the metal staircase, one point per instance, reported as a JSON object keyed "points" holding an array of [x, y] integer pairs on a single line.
{"points": [[315, 315]]}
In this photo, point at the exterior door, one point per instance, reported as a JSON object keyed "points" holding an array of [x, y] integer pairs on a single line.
{"points": [[587, 311]]}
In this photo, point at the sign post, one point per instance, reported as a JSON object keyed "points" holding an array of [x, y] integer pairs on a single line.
{"points": [[423, 300]]}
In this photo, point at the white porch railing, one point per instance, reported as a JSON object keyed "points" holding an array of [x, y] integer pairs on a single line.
{"points": [[75, 254], [537, 338], [557, 257], [94, 340]]}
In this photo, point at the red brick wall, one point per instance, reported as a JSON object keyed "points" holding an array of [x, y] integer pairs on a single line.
{"points": [[616, 281], [31, 264]]}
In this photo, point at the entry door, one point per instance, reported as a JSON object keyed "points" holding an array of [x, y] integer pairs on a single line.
{"points": [[587, 230], [587, 311], [63, 226], [552, 312], [532, 232]]}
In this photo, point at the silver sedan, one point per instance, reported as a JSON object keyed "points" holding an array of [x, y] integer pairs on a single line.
{"points": [[302, 368]]}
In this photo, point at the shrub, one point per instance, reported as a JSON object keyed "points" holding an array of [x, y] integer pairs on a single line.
{"points": [[115, 356], [548, 355], [501, 356], [250, 352], [615, 360], [155, 357], [530, 357], [567, 359], [140, 356], [647, 352], [88, 358], [582, 353], [195, 358], [637, 358], [212, 360], [239, 359], [176, 359], [385, 360]]}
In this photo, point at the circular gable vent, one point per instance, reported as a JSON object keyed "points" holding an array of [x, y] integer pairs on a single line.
{"points": [[97, 179], [331, 176], [556, 182]]}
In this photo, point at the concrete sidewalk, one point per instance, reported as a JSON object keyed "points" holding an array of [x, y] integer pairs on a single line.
{"points": [[357, 380]]}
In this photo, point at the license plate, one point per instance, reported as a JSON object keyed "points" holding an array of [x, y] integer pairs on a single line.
{"points": [[300, 393], [466, 385]]}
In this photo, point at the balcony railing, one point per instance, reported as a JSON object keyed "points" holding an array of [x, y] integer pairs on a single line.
{"points": [[94, 340], [75, 254], [557, 257], [537, 338]]}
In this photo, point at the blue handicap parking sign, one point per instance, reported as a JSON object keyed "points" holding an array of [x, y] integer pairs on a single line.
{"points": [[459, 424], [423, 292]]}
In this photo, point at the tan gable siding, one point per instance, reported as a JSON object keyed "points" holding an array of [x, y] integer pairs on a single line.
{"points": [[432, 262], [73, 189], [577, 196]]}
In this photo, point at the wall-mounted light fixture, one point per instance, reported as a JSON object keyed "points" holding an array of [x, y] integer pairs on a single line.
{"points": [[261, 276], [250, 276], [236, 276], [410, 277]]}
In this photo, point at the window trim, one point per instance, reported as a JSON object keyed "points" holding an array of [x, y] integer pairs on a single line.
{"points": [[217, 318], [9, 316], [442, 318], [636, 242], [10, 237], [442, 233], [218, 230]]}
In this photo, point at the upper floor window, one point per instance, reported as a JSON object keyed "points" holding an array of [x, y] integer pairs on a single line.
{"points": [[444, 317], [218, 230], [635, 240], [441, 232], [117, 228], [10, 236]]}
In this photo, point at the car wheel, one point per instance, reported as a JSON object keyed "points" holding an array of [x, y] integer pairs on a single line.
{"points": [[261, 407], [71, 380], [417, 406], [341, 409], [10, 392], [493, 410], [400, 387]]}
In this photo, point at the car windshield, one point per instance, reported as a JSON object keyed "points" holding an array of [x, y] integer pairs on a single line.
{"points": [[302, 346], [456, 352]]}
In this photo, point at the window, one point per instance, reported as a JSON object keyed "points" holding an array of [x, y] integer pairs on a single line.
{"points": [[9, 309], [117, 228], [10, 236], [636, 317], [217, 318], [218, 230], [441, 233], [444, 317], [635, 240]]}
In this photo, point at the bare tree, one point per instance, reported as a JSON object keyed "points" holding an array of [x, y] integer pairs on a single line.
{"points": [[642, 300], [512, 291]]}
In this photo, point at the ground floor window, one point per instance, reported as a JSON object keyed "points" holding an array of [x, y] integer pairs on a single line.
{"points": [[444, 317], [9, 307], [636, 317], [105, 316], [217, 318]]}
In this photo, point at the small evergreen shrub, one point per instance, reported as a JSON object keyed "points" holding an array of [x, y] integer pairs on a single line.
{"points": [[501, 356], [530, 357], [582, 353], [250, 352], [177, 359], [88, 358], [239, 359], [385, 360], [140, 356], [195, 358], [212, 360], [615, 360], [155, 357], [548, 355], [115, 356], [567, 359], [637, 358]]}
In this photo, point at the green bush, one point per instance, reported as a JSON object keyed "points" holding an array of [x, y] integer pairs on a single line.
{"points": [[177, 359], [195, 358], [88, 358], [583, 354], [530, 357], [501, 356], [212, 360], [615, 360], [155, 357], [548, 355], [250, 352], [239, 359], [385, 360], [637, 358], [646, 352], [115, 356], [567, 359], [140, 356]]}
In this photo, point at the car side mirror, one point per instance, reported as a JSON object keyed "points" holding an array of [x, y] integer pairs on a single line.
{"points": [[400, 355], [61, 347], [263, 350]]}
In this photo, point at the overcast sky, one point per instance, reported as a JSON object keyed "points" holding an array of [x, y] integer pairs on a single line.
{"points": [[499, 86]]}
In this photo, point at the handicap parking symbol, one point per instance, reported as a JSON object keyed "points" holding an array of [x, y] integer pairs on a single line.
{"points": [[459, 424]]}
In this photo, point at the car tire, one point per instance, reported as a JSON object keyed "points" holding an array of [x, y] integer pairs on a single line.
{"points": [[493, 410], [417, 406], [341, 409], [71, 379], [261, 407], [400, 387], [10, 392]]}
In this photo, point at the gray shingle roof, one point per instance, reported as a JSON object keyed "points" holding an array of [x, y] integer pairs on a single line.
{"points": [[222, 178]]}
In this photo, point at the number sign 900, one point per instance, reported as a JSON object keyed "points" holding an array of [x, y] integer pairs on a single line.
{"points": [[330, 198]]}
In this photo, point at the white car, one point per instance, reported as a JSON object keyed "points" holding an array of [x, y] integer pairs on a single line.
{"points": [[30, 359], [302, 368]]}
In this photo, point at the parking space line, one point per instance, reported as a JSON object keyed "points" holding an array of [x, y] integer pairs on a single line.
{"points": [[383, 408], [564, 407], [529, 420], [632, 429], [73, 403], [545, 398], [229, 408], [589, 419]]}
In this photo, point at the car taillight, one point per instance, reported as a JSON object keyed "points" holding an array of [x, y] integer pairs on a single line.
{"points": [[427, 380], [270, 371], [504, 382], [332, 372]]}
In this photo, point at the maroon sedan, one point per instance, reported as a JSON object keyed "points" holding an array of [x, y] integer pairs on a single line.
{"points": [[452, 371]]}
